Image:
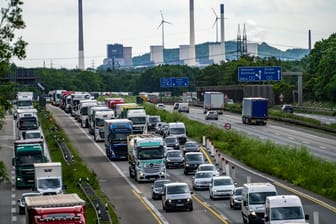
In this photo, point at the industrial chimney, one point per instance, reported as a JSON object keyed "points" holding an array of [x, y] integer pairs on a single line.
{"points": [[80, 37], [309, 39], [222, 32], [192, 53]]}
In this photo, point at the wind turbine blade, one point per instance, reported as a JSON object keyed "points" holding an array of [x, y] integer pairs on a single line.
{"points": [[160, 24], [161, 15], [215, 13]]}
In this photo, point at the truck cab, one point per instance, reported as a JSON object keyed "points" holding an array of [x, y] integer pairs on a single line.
{"points": [[48, 178], [100, 117], [178, 129]]}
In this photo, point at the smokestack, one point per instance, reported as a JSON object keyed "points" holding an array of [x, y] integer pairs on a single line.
{"points": [[309, 39], [222, 32], [192, 53], [80, 36]]}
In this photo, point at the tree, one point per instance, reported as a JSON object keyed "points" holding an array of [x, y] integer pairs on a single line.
{"points": [[10, 46]]}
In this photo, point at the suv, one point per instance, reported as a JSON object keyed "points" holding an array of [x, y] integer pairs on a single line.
{"points": [[177, 196], [211, 115], [190, 146], [191, 161], [287, 108], [172, 141], [176, 106]]}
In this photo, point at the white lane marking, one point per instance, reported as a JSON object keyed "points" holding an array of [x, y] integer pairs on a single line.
{"points": [[322, 147], [290, 137]]}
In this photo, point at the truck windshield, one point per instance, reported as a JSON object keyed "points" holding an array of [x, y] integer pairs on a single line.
{"points": [[286, 213], [28, 123], [49, 183], [25, 103], [26, 158], [99, 122], [259, 197], [119, 137], [177, 131], [138, 120], [151, 153], [154, 119], [84, 111]]}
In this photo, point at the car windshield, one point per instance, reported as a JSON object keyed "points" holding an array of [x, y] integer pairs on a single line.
{"points": [[174, 154], [190, 145], [207, 168], [203, 175], [239, 191], [154, 119], [177, 131], [259, 197], [160, 183], [220, 182], [194, 157], [178, 189], [286, 213]]}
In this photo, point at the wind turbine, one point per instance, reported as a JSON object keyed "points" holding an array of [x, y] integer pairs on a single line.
{"points": [[216, 23], [162, 26]]}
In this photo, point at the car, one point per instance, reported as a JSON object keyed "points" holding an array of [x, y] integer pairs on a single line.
{"points": [[211, 115], [201, 180], [208, 167], [174, 158], [152, 120], [22, 201], [236, 198], [160, 106], [221, 187], [177, 196], [190, 146], [157, 188], [183, 107], [172, 141], [288, 108], [176, 106], [161, 128], [191, 161]]}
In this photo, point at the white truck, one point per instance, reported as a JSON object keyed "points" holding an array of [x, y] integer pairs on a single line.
{"points": [[91, 112], [24, 100], [83, 111], [253, 201], [178, 129], [100, 117], [48, 178], [146, 153], [138, 117], [26, 119], [284, 209], [75, 99], [213, 101]]}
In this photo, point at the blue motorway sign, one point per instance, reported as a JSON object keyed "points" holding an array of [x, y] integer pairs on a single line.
{"points": [[174, 82], [259, 74], [165, 82]]}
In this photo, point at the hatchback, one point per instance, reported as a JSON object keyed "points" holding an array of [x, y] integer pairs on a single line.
{"points": [[236, 198], [221, 187], [174, 158], [208, 167], [190, 146], [157, 188], [201, 180], [211, 115]]}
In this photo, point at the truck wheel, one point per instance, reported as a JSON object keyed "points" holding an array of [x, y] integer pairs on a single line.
{"points": [[130, 172]]}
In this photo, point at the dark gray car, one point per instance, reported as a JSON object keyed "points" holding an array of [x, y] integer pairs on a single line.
{"points": [[157, 188]]}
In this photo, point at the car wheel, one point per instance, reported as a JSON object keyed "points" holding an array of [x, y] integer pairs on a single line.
{"points": [[191, 208], [231, 205], [211, 197]]}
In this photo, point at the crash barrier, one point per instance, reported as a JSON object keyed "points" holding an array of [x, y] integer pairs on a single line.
{"points": [[103, 216]]}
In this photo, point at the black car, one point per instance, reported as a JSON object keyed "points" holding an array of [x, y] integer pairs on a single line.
{"points": [[191, 161], [172, 141], [174, 158], [157, 188], [190, 146]]}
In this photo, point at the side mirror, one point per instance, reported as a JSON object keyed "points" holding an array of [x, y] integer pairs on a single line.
{"points": [[306, 217], [245, 203], [13, 161], [266, 219]]}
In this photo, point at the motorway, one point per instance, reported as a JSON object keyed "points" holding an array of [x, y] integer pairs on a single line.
{"points": [[132, 201]]}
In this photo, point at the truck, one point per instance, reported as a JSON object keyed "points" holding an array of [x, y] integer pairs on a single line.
{"points": [[146, 153], [254, 110], [26, 153], [75, 99], [113, 101], [26, 119], [62, 208], [138, 117], [83, 111], [91, 115], [213, 101], [116, 132], [120, 107], [100, 117], [284, 209], [24, 100], [177, 129], [48, 178], [253, 201]]}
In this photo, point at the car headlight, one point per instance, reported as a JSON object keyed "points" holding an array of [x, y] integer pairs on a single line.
{"points": [[168, 160], [169, 201], [188, 199]]}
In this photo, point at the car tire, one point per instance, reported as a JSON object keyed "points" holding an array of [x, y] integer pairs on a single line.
{"points": [[191, 208]]}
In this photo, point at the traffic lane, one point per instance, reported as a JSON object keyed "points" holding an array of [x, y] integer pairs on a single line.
{"points": [[112, 184], [7, 209]]}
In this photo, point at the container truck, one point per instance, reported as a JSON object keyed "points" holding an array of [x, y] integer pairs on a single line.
{"points": [[91, 115], [120, 107], [112, 102], [100, 117], [115, 137], [83, 111], [26, 153], [24, 100], [255, 110], [139, 119], [146, 154], [213, 101], [26, 120], [48, 178], [55, 209], [75, 99]]}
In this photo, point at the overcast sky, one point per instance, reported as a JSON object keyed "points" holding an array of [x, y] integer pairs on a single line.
{"points": [[52, 25]]}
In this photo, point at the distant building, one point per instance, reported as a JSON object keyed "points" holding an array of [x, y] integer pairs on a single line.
{"points": [[252, 49], [156, 55], [118, 56]]}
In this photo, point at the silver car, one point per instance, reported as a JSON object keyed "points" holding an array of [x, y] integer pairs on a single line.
{"points": [[236, 198], [221, 187], [202, 180], [22, 200]]}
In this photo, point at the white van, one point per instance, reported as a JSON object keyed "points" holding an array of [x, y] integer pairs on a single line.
{"points": [[178, 129], [183, 107], [253, 201], [284, 209]]}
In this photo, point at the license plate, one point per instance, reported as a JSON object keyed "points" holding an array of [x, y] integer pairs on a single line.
{"points": [[179, 204]]}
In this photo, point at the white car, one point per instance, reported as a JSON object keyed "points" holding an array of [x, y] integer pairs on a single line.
{"points": [[201, 180], [208, 167], [221, 187]]}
